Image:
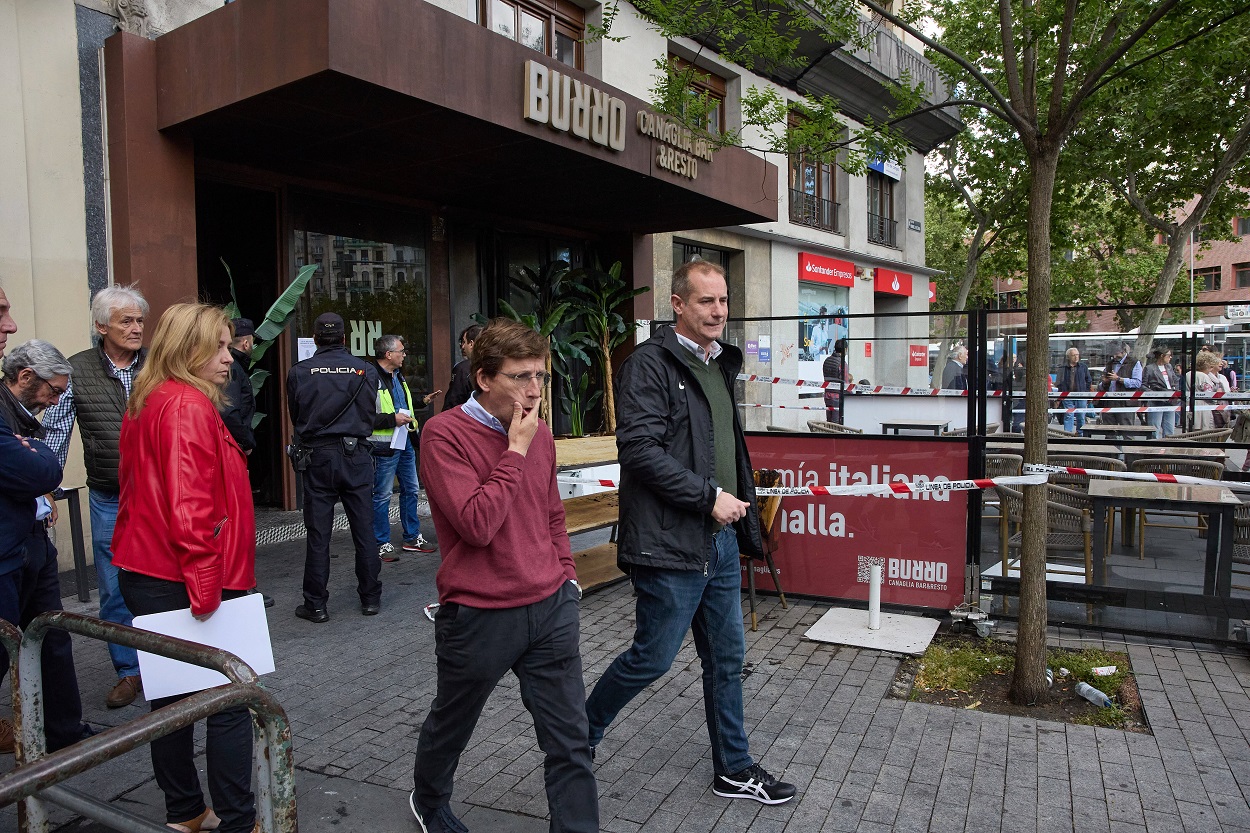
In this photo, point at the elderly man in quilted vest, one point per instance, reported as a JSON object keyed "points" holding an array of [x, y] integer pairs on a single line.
{"points": [[100, 384]]}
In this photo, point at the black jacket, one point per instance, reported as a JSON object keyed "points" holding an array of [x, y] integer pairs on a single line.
{"points": [[24, 476], [666, 450], [461, 388], [238, 414], [333, 394]]}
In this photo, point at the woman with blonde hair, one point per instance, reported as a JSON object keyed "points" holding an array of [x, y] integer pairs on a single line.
{"points": [[186, 537], [1201, 384]]}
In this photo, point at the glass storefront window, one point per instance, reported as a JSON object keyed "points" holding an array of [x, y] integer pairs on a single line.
{"points": [[390, 296]]}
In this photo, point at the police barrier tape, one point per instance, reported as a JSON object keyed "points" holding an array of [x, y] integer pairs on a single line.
{"points": [[908, 391], [1147, 409], [1154, 477], [867, 489]]}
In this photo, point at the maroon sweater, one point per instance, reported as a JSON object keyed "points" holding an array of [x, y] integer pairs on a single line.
{"points": [[498, 514]]}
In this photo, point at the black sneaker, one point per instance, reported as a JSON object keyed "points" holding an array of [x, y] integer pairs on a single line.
{"points": [[435, 819], [753, 782], [316, 615]]}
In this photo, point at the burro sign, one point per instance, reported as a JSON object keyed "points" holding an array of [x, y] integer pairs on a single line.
{"points": [[681, 150], [571, 106]]}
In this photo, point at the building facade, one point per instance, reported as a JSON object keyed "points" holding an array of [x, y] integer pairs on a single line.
{"points": [[422, 156]]}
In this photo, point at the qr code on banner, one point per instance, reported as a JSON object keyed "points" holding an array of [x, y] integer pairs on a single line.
{"points": [[866, 562]]}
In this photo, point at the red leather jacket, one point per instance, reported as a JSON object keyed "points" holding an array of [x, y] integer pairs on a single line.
{"points": [[185, 509]]}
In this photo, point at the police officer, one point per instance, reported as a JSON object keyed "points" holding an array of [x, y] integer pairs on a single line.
{"points": [[332, 399]]}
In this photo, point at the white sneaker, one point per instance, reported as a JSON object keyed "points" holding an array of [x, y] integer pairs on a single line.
{"points": [[386, 552]]}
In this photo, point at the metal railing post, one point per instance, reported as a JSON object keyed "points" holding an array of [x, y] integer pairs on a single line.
{"points": [[38, 770], [74, 500]]}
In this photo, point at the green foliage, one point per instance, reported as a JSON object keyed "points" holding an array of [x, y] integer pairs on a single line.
{"points": [[575, 403], [957, 666]]}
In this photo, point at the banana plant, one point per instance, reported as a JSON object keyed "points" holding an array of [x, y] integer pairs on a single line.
{"points": [[276, 320], [597, 295]]}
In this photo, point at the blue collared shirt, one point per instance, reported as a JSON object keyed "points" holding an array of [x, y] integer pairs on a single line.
{"points": [[58, 421], [474, 409]]}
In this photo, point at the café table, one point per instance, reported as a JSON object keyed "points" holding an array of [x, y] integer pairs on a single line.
{"points": [[934, 426], [1216, 502], [1134, 452], [1124, 432]]}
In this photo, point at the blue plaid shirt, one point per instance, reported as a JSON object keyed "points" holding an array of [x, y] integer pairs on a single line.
{"points": [[58, 421]]}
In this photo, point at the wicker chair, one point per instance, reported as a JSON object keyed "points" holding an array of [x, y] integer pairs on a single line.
{"points": [[1206, 435], [1060, 434], [819, 426], [1174, 465], [768, 507], [783, 430], [1241, 544], [1081, 461], [1069, 531]]}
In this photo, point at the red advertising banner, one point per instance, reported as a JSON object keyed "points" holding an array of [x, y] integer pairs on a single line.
{"points": [[826, 545], [918, 355], [825, 270]]}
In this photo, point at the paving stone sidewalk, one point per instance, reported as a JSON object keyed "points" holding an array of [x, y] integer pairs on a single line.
{"points": [[356, 690]]}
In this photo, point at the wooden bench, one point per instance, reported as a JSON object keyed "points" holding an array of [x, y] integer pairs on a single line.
{"points": [[596, 567]]}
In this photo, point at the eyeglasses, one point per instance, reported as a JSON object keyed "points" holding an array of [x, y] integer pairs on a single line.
{"points": [[402, 352], [523, 379], [52, 387]]}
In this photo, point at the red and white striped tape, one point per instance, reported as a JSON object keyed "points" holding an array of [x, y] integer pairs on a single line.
{"points": [[1153, 477], [1144, 409], [868, 489]]}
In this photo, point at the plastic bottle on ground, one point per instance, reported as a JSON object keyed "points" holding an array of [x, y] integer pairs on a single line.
{"points": [[1093, 695]]}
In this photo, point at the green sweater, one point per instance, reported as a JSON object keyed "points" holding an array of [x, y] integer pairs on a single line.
{"points": [[712, 381]]}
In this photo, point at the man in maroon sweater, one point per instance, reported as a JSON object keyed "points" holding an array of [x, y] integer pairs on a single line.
{"points": [[507, 585]]}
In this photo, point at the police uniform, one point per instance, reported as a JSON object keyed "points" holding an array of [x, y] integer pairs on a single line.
{"points": [[332, 400]]}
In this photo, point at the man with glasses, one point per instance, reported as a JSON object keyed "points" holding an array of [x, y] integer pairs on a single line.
{"points": [[507, 585], [35, 375], [395, 456], [687, 510]]}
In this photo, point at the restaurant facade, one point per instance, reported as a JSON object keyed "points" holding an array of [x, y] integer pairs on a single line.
{"points": [[421, 156]]}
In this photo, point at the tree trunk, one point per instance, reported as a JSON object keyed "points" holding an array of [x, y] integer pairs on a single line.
{"points": [[1028, 685], [1167, 282], [609, 399]]}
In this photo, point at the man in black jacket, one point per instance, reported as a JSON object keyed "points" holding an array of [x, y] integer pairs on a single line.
{"points": [[461, 388], [35, 374], [687, 508], [241, 409], [332, 399]]}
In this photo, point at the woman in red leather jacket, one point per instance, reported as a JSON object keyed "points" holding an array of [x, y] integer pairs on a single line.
{"points": [[186, 537]]}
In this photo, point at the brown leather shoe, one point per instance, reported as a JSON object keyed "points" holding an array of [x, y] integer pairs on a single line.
{"points": [[8, 740], [205, 821], [125, 692]]}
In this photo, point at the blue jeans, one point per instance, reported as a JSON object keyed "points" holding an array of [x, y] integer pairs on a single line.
{"points": [[671, 602], [112, 605], [403, 465], [1164, 421], [1078, 418]]}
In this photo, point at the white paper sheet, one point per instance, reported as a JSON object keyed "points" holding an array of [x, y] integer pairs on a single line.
{"points": [[399, 439], [304, 349], [238, 626]]}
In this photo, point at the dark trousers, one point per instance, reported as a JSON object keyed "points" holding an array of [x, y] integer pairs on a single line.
{"points": [[539, 642], [229, 741], [334, 475], [25, 593]]}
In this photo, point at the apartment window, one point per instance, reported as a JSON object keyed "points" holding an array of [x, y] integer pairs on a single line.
{"points": [[882, 227], [686, 252], [1207, 279], [554, 28], [1243, 226], [1241, 272], [814, 192], [1010, 300], [704, 83]]}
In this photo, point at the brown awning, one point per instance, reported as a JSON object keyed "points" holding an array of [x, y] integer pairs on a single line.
{"points": [[404, 98]]}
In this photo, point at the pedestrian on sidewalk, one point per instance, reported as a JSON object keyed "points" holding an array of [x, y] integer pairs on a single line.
{"points": [[186, 538], [102, 379], [461, 386], [507, 585], [687, 509], [395, 407], [332, 400]]}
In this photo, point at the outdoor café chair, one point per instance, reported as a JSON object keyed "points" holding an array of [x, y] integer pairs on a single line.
{"points": [[1204, 435], [768, 507], [820, 426], [1000, 465], [1069, 532], [1174, 465]]}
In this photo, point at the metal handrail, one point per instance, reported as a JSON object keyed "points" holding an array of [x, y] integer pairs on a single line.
{"points": [[36, 770]]}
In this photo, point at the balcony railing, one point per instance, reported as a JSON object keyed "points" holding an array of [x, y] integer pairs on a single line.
{"points": [[882, 230], [892, 58], [810, 210]]}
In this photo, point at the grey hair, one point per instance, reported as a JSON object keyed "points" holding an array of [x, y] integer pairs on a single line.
{"points": [[46, 361], [114, 298], [386, 343]]}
